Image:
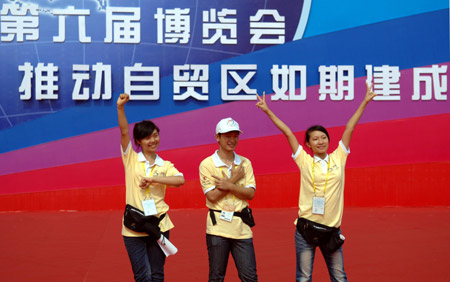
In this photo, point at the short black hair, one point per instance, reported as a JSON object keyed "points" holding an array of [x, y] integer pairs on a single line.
{"points": [[143, 129]]}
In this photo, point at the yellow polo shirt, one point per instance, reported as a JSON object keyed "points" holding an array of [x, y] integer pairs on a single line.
{"points": [[213, 165], [334, 194], [134, 171]]}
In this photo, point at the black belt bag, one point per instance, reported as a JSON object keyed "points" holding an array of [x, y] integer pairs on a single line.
{"points": [[328, 238], [245, 214], [137, 221]]}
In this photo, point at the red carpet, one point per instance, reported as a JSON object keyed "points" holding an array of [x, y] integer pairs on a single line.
{"points": [[383, 244]]}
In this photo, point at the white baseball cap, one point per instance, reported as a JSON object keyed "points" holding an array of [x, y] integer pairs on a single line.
{"points": [[227, 125]]}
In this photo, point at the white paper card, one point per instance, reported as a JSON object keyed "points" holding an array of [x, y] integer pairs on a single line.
{"points": [[226, 215], [149, 207], [318, 205], [166, 246]]}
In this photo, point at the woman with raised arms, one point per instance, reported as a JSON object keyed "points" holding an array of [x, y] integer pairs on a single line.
{"points": [[321, 200], [146, 178]]}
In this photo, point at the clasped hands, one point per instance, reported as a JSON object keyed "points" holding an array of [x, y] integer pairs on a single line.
{"points": [[145, 182]]}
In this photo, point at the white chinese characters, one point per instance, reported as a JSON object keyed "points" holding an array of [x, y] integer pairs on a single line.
{"points": [[20, 22], [433, 78], [123, 25], [191, 81]]}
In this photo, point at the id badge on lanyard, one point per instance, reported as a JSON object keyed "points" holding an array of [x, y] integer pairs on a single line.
{"points": [[149, 207], [227, 212], [318, 205], [148, 204]]}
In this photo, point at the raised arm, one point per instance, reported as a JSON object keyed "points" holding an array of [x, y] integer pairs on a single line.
{"points": [[293, 142], [351, 124], [123, 123]]}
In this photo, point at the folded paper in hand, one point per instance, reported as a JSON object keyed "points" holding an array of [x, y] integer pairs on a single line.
{"points": [[166, 246]]}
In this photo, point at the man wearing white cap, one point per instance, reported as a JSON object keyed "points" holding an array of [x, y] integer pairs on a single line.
{"points": [[228, 183]]}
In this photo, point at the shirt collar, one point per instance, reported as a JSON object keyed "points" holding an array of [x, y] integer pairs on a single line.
{"points": [[158, 160], [317, 159], [218, 162]]}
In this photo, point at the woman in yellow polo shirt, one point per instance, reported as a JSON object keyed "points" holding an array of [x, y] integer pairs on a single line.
{"points": [[146, 179], [321, 200]]}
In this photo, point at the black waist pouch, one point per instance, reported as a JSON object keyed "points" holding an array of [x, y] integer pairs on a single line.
{"points": [[328, 238], [137, 221], [245, 214], [335, 242]]}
